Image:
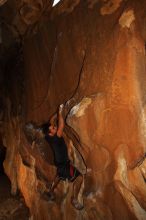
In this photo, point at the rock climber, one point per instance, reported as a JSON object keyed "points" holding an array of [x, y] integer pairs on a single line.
{"points": [[65, 170]]}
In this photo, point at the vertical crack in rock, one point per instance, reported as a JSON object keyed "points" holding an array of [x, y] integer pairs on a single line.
{"points": [[76, 96], [52, 65], [54, 57]]}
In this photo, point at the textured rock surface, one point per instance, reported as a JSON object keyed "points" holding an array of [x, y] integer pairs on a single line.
{"points": [[91, 56], [2, 2], [11, 207]]}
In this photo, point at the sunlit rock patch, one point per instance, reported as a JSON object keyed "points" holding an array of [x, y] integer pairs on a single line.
{"points": [[127, 18]]}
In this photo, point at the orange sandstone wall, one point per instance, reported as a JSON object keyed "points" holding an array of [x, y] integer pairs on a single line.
{"points": [[93, 58]]}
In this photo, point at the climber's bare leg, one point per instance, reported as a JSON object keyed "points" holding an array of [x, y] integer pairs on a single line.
{"points": [[77, 186], [76, 190], [54, 184], [49, 194]]}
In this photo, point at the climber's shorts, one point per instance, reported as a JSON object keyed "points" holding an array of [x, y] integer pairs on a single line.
{"points": [[67, 171]]}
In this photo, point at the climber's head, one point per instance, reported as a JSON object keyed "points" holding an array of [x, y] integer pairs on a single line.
{"points": [[52, 130], [49, 129]]}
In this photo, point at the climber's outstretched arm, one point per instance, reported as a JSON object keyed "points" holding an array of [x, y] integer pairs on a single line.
{"points": [[53, 119], [60, 121]]}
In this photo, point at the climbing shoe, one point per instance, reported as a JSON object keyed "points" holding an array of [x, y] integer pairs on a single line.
{"points": [[48, 196], [76, 204]]}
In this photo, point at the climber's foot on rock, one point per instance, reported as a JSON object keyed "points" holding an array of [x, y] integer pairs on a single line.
{"points": [[48, 196], [76, 204]]}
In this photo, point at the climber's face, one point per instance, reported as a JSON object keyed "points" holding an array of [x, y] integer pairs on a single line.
{"points": [[52, 130]]}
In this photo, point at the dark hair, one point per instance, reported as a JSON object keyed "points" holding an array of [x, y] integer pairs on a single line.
{"points": [[45, 128]]}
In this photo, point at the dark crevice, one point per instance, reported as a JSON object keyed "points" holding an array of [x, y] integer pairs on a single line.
{"points": [[2, 158]]}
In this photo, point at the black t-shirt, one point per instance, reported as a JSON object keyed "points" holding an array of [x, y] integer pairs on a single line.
{"points": [[59, 149]]}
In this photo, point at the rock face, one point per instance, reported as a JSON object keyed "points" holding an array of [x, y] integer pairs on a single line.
{"points": [[89, 55]]}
